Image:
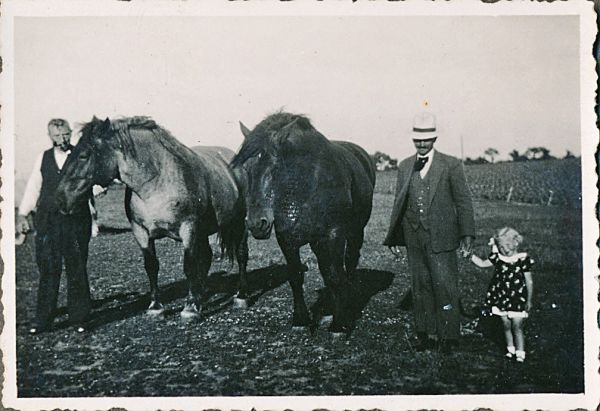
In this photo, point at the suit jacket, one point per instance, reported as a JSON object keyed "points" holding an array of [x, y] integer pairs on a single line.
{"points": [[450, 208]]}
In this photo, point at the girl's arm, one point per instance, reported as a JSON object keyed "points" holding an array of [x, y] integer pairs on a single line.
{"points": [[529, 283], [480, 263]]}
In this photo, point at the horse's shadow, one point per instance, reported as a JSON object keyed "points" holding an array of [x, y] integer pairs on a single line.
{"points": [[366, 284], [222, 288]]}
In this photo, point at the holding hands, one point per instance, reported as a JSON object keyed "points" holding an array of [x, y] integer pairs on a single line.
{"points": [[466, 246]]}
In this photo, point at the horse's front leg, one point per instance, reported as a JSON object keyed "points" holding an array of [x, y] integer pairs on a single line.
{"points": [[330, 256], [295, 272], [151, 265], [197, 258]]}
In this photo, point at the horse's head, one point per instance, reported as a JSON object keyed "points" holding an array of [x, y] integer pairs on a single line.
{"points": [[258, 161], [92, 161], [268, 155]]}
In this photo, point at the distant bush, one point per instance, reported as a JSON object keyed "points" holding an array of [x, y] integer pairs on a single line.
{"points": [[384, 162]]}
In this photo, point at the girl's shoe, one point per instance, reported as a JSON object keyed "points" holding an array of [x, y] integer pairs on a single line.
{"points": [[510, 351], [520, 356]]}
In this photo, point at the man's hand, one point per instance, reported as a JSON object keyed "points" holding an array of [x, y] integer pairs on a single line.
{"points": [[466, 246], [22, 225], [395, 249]]}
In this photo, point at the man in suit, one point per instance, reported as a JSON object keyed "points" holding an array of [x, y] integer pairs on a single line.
{"points": [[58, 237], [432, 217]]}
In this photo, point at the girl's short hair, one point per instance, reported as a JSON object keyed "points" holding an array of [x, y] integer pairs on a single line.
{"points": [[509, 234]]}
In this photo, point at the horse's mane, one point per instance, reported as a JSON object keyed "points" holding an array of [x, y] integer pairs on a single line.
{"points": [[268, 133], [124, 127]]}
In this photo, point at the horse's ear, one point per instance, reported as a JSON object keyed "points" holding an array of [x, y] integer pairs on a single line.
{"points": [[106, 124], [284, 132], [245, 130]]}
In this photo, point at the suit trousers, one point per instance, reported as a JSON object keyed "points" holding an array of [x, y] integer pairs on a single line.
{"points": [[64, 238], [434, 282]]}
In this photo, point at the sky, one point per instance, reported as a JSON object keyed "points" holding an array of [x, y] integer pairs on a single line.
{"points": [[508, 82]]}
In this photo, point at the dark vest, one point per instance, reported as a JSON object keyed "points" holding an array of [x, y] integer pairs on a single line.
{"points": [[47, 210], [417, 205]]}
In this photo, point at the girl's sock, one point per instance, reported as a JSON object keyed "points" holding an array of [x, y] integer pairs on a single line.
{"points": [[520, 355], [510, 351]]}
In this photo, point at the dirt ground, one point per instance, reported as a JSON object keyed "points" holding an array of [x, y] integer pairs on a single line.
{"points": [[256, 352]]}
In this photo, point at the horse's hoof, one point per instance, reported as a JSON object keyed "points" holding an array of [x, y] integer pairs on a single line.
{"points": [[190, 313], [80, 330], [326, 319], [155, 313], [240, 303], [338, 335], [299, 328]]}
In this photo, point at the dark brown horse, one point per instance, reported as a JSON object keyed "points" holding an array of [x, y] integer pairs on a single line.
{"points": [[313, 191], [172, 192]]}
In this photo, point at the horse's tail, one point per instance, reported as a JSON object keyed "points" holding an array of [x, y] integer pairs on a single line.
{"points": [[231, 236]]}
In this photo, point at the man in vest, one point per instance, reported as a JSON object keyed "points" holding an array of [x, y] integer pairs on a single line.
{"points": [[432, 217], [58, 236]]}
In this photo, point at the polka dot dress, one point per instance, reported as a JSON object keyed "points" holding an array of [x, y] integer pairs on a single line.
{"points": [[507, 290]]}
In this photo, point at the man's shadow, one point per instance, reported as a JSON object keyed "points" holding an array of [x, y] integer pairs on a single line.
{"points": [[222, 288], [366, 284]]}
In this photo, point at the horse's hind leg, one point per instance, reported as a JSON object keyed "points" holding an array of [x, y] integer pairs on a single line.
{"points": [[151, 265], [242, 259], [197, 258], [330, 255], [300, 317], [353, 245]]}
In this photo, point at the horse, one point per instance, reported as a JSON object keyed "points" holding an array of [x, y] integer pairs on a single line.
{"points": [[312, 191], [171, 191]]}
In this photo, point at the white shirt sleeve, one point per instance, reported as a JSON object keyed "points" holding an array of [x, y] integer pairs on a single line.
{"points": [[33, 188]]}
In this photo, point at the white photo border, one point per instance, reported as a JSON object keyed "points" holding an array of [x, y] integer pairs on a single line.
{"points": [[589, 140]]}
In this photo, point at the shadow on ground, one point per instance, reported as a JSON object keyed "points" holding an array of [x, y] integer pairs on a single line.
{"points": [[222, 286], [365, 285]]}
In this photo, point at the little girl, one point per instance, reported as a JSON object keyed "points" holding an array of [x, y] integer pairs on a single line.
{"points": [[511, 288]]}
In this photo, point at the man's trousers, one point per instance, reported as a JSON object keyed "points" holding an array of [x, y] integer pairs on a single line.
{"points": [[434, 281], [64, 238]]}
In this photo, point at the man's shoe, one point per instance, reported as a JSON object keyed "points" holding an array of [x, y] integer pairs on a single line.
{"points": [[448, 346]]}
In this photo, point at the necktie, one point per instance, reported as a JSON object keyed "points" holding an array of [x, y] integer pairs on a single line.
{"points": [[420, 163]]}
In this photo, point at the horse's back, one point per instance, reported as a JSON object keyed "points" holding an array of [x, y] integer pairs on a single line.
{"points": [[362, 156], [361, 168], [223, 153]]}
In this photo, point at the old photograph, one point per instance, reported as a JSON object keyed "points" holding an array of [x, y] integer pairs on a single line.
{"points": [[299, 205]]}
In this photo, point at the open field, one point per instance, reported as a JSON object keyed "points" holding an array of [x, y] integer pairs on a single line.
{"points": [[256, 352], [532, 182]]}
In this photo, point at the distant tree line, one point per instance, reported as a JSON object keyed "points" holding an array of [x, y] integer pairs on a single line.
{"points": [[531, 154], [384, 162]]}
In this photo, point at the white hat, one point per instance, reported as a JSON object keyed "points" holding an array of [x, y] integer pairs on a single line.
{"points": [[424, 127]]}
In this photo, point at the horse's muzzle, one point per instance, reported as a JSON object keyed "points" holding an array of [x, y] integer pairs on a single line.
{"points": [[262, 229]]}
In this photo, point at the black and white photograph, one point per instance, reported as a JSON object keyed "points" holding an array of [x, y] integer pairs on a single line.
{"points": [[299, 205]]}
